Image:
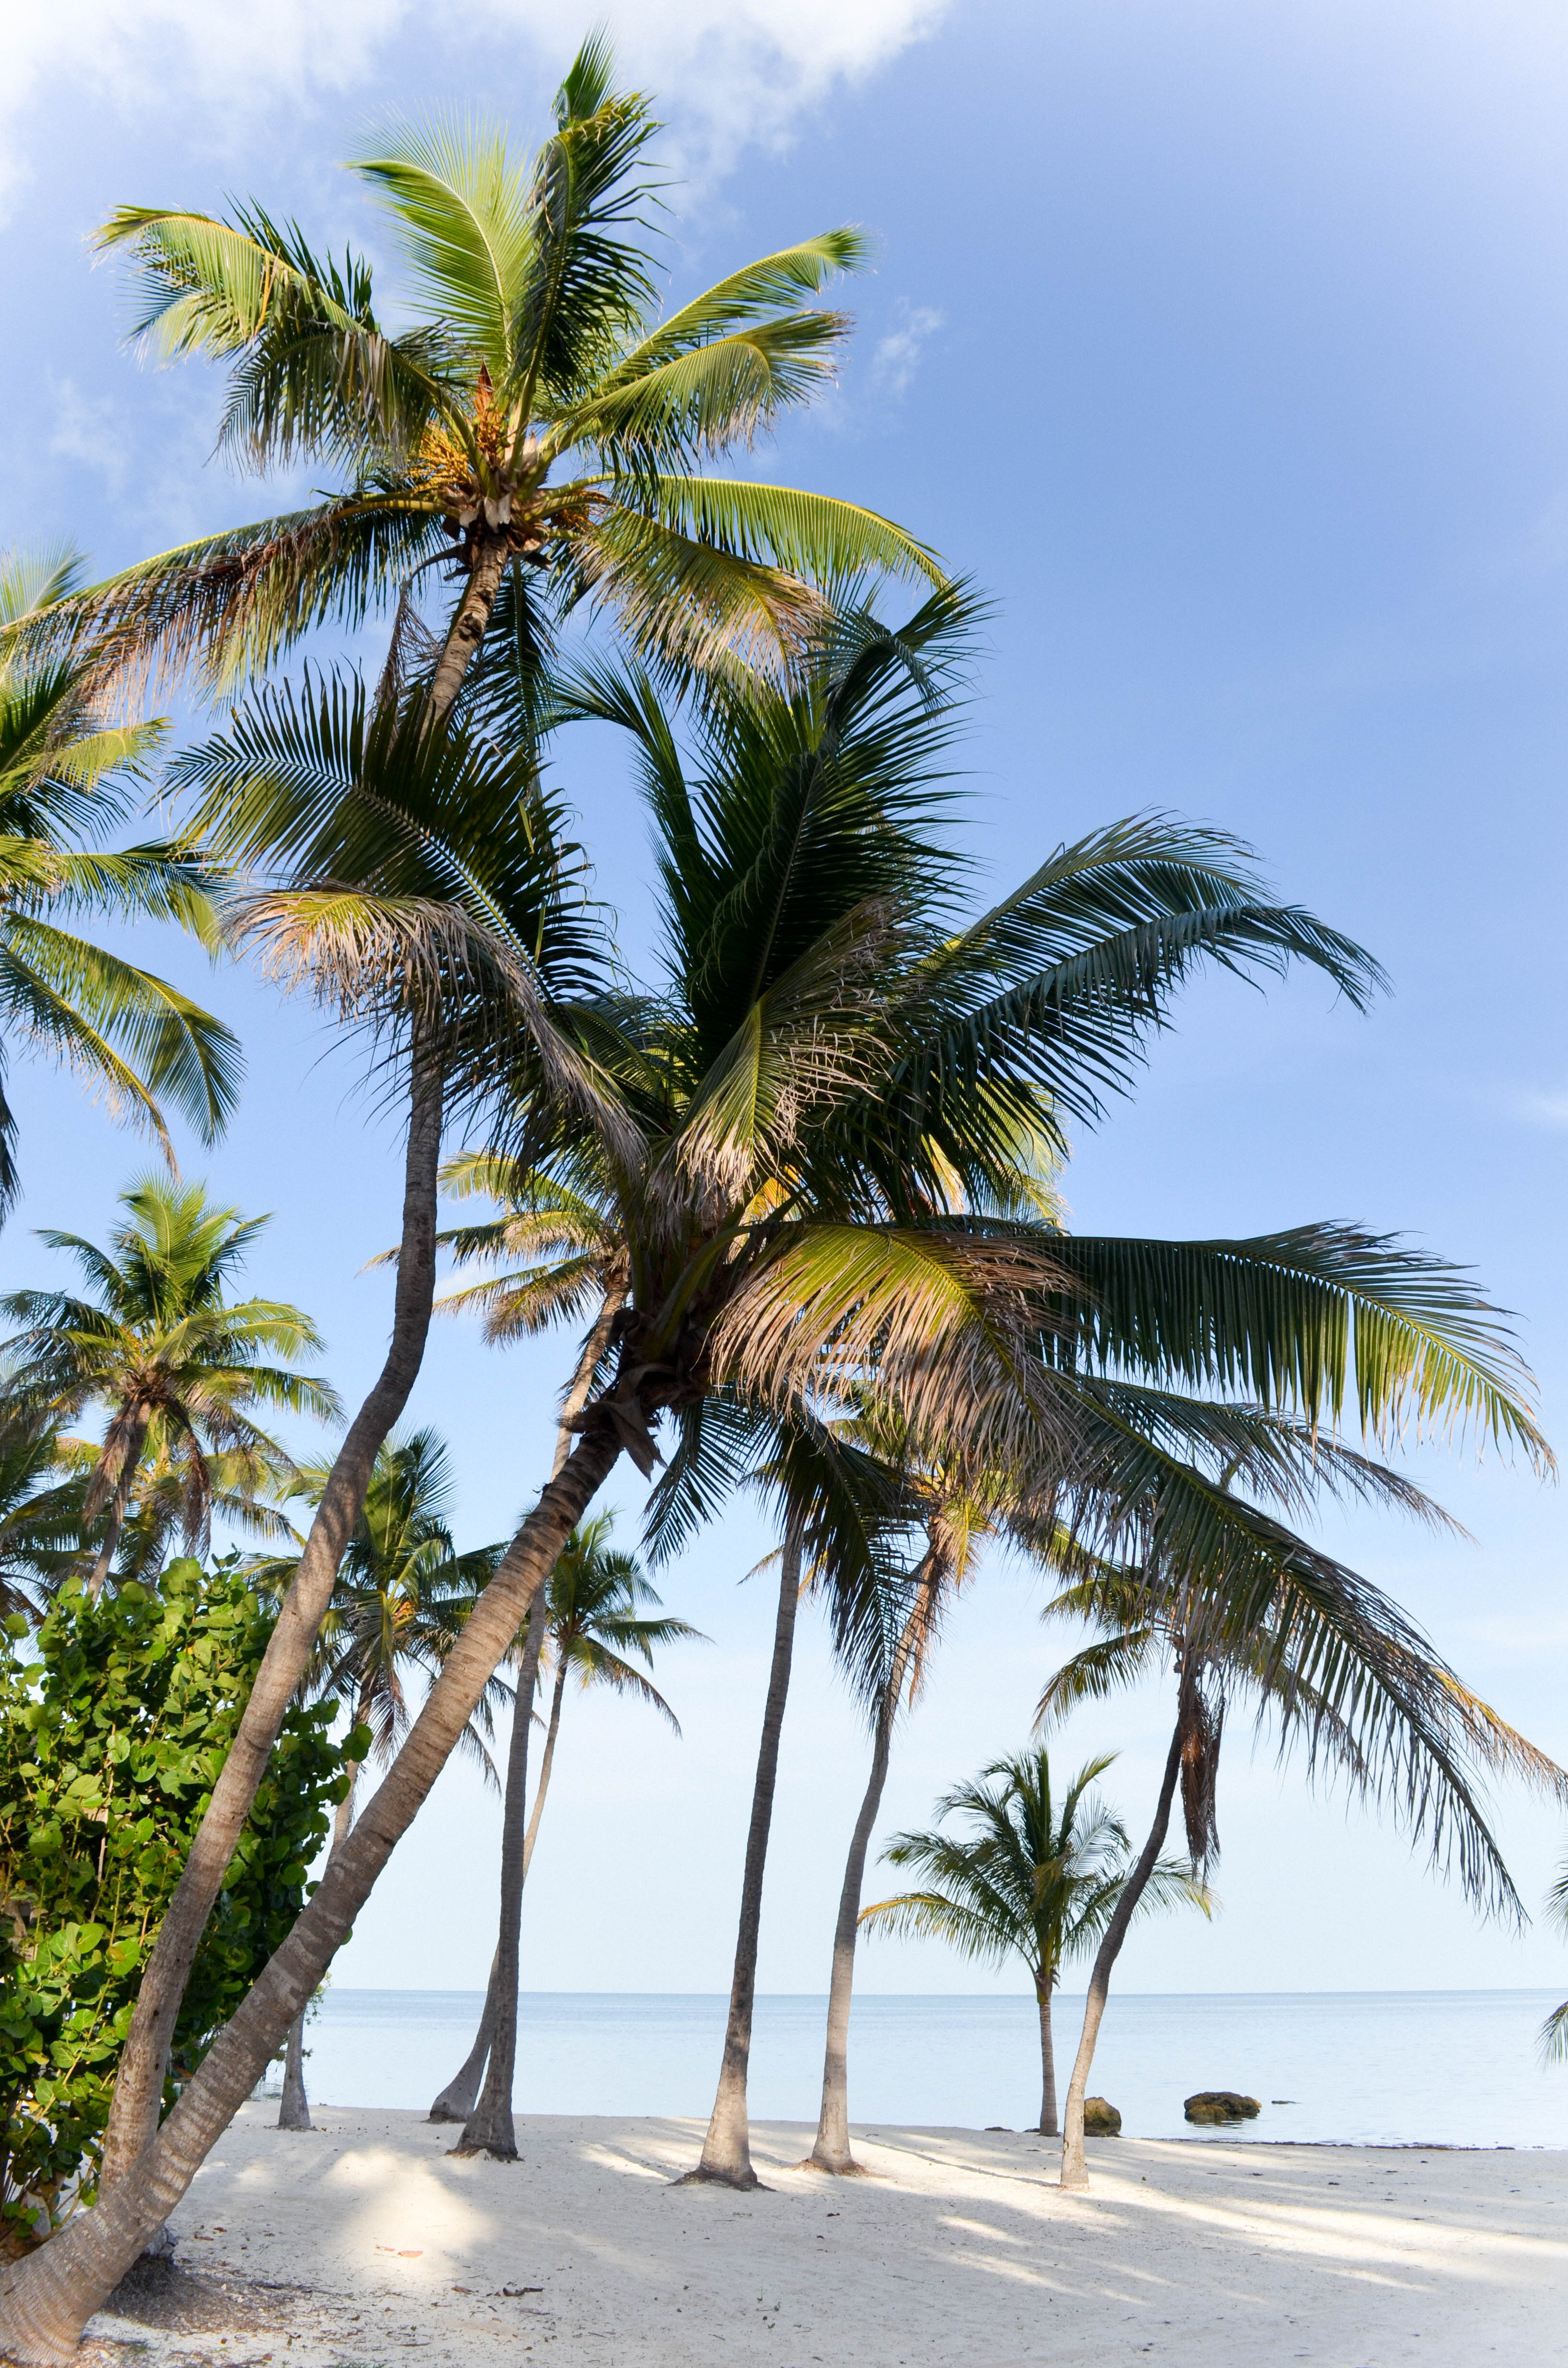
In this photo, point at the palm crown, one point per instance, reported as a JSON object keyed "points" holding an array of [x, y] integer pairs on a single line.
{"points": [[537, 425], [66, 775], [177, 1367]]}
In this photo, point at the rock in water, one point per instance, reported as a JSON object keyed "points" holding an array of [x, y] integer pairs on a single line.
{"points": [[1101, 2120], [1213, 2105]]}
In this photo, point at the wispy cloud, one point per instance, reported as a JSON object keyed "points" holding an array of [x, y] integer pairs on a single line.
{"points": [[731, 73], [1543, 1108], [898, 355]]}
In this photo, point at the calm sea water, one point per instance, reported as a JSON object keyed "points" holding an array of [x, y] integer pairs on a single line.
{"points": [[1451, 2067]]}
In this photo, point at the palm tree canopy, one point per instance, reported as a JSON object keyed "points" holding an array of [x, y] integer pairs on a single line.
{"points": [[402, 1590], [67, 775], [539, 416], [177, 1367], [601, 1617], [1031, 1877]]}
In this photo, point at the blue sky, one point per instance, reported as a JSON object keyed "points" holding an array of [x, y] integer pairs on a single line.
{"points": [[1226, 348]]}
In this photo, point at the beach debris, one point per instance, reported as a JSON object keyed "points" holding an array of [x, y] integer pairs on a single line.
{"points": [[1210, 2106], [514, 2293], [1101, 2119]]}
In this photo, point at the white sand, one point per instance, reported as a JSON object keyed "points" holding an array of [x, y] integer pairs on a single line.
{"points": [[962, 2249]]}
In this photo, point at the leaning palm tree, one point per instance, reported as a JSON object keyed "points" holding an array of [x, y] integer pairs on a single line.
{"points": [[68, 773], [1032, 1878], [418, 883], [596, 1627], [403, 1594], [1241, 1610], [540, 431], [809, 1130], [177, 1367]]}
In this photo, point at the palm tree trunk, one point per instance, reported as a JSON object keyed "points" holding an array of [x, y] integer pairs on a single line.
{"points": [[47, 2298], [1048, 2121], [726, 2150], [832, 2150], [133, 2115], [545, 1765], [119, 1505], [294, 2110], [458, 2099], [488, 2128], [468, 628], [1074, 2167], [294, 2106]]}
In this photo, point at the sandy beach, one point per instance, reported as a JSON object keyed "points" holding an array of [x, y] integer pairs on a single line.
{"points": [[365, 2240]]}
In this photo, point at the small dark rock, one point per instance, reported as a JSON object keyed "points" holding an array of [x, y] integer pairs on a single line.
{"points": [[1214, 2105], [1101, 2119]]}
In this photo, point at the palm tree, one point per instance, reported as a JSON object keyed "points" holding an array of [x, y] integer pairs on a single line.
{"points": [[1242, 1609], [418, 884], [174, 1365], [1554, 2029], [41, 1524], [811, 1135], [401, 1596], [539, 432], [1032, 1878], [67, 774], [595, 1618]]}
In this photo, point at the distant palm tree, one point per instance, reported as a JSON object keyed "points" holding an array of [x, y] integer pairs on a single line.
{"points": [[1554, 2029], [41, 1489], [1032, 1878], [595, 1626], [173, 1364], [67, 774], [401, 1596]]}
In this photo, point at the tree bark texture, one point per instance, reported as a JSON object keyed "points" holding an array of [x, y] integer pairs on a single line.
{"points": [[133, 2114], [1049, 2128], [471, 623], [1074, 2166], [832, 2151], [46, 2299], [726, 2150], [546, 1763], [488, 2128]]}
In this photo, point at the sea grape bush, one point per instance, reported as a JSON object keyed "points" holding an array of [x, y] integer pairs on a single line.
{"points": [[115, 1719]]}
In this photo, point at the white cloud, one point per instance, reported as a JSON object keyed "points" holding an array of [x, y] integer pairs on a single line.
{"points": [[1541, 1109], [728, 72], [894, 363]]}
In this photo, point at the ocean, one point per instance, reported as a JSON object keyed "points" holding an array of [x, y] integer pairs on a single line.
{"points": [[1434, 2068]]}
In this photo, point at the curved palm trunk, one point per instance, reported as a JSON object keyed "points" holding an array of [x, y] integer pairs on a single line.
{"points": [[133, 2115], [119, 1505], [46, 2299], [458, 2099], [832, 2150], [488, 2128], [469, 626], [1048, 2121], [294, 2106], [726, 2150], [1074, 2167]]}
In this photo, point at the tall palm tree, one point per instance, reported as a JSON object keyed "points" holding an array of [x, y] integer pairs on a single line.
{"points": [[174, 1365], [418, 884], [811, 1133], [1032, 1878], [67, 775], [403, 1594], [597, 1626], [539, 430], [1242, 1610]]}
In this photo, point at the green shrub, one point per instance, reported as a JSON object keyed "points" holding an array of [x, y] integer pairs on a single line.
{"points": [[115, 1720]]}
